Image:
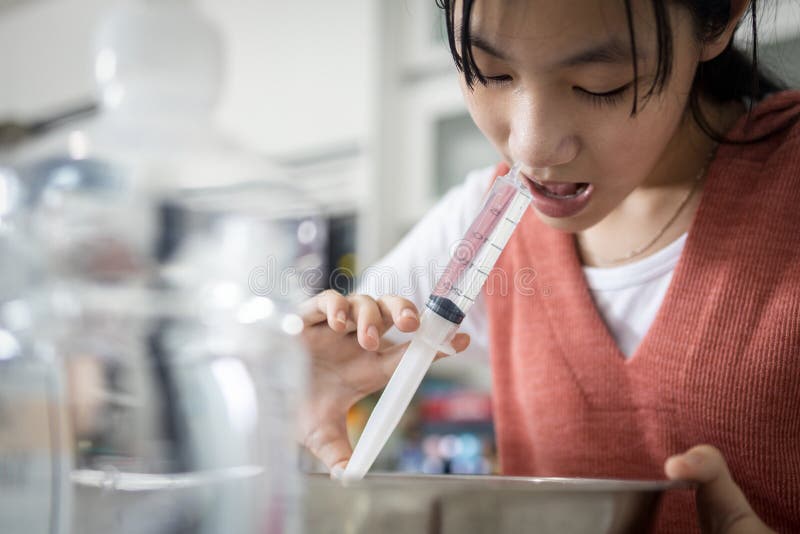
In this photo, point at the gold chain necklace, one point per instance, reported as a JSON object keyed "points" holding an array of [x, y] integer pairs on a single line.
{"points": [[640, 250]]}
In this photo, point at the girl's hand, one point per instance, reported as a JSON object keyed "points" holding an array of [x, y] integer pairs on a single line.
{"points": [[349, 360], [721, 506]]}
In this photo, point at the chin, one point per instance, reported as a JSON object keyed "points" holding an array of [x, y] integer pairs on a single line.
{"points": [[575, 224]]}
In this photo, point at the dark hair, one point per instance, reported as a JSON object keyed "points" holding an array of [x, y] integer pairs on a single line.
{"points": [[729, 76]]}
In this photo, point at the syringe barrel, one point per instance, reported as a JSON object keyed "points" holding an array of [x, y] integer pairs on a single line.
{"points": [[475, 255]]}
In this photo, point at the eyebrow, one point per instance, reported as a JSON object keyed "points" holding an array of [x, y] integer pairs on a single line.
{"points": [[612, 51], [479, 42]]}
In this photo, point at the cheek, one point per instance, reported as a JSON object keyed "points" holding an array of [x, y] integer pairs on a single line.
{"points": [[626, 149], [617, 163], [490, 117]]}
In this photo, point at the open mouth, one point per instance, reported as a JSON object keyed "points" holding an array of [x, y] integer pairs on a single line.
{"points": [[560, 190]]}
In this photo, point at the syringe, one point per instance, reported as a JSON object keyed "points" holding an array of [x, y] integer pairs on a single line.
{"points": [[454, 294]]}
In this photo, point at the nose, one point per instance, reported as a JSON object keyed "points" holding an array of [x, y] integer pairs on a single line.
{"points": [[540, 138]]}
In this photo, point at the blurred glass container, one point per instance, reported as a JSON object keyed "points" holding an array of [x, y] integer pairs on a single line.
{"points": [[183, 383], [182, 417], [176, 259], [11, 197], [35, 459]]}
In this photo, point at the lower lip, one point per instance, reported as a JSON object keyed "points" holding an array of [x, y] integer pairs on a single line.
{"points": [[559, 207]]}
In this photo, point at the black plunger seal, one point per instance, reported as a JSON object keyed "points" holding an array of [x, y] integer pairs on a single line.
{"points": [[445, 308]]}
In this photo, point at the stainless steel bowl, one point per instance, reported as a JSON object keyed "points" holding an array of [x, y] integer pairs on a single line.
{"points": [[437, 504]]}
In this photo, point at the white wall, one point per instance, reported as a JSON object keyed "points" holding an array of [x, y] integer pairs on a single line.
{"points": [[299, 71], [44, 55]]}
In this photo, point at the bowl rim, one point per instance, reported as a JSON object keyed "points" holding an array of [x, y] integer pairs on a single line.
{"points": [[502, 482]]}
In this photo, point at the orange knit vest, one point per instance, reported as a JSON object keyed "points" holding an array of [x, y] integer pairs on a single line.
{"points": [[720, 364]]}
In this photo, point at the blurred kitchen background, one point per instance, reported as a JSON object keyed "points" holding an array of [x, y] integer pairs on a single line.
{"points": [[358, 101]]}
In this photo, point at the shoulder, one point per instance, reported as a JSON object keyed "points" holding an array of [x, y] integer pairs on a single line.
{"points": [[770, 131], [749, 209]]}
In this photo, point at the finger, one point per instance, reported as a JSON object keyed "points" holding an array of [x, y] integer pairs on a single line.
{"points": [[337, 310], [368, 320], [721, 505], [337, 471], [330, 306], [329, 443], [459, 343], [309, 311], [399, 312]]}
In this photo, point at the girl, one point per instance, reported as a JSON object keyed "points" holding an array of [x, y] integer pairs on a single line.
{"points": [[662, 328]]}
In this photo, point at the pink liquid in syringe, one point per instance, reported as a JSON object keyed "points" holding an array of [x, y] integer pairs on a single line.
{"points": [[479, 231]]}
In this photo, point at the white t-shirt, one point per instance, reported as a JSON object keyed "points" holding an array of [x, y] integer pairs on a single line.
{"points": [[627, 297]]}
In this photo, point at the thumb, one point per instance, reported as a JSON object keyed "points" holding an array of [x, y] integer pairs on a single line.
{"points": [[721, 506], [329, 443]]}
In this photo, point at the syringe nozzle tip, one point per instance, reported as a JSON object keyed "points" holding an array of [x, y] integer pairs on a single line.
{"points": [[337, 473]]}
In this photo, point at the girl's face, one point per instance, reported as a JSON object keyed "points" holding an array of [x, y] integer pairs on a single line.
{"points": [[560, 94]]}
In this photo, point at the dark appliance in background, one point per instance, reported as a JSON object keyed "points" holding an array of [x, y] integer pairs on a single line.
{"points": [[341, 260]]}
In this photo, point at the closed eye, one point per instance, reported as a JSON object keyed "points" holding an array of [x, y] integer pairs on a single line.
{"points": [[498, 80], [607, 97]]}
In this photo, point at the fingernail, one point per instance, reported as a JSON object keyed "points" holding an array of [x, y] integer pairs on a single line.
{"points": [[341, 317], [693, 458], [337, 472], [673, 469], [372, 332], [408, 313]]}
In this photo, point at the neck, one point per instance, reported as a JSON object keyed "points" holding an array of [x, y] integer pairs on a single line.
{"points": [[662, 208]]}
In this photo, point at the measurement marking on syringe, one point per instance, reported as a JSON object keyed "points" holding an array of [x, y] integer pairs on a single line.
{"points": [[497, 247], [463, 295]]}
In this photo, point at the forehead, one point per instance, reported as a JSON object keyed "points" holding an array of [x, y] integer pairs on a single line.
{"points": [[543, 31]]}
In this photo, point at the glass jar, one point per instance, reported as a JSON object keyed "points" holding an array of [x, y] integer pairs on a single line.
{"points": [[182, 418], [175, 260]]}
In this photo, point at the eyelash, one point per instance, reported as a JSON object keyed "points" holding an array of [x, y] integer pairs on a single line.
{"points": [[608, 98], [497, 80]]}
